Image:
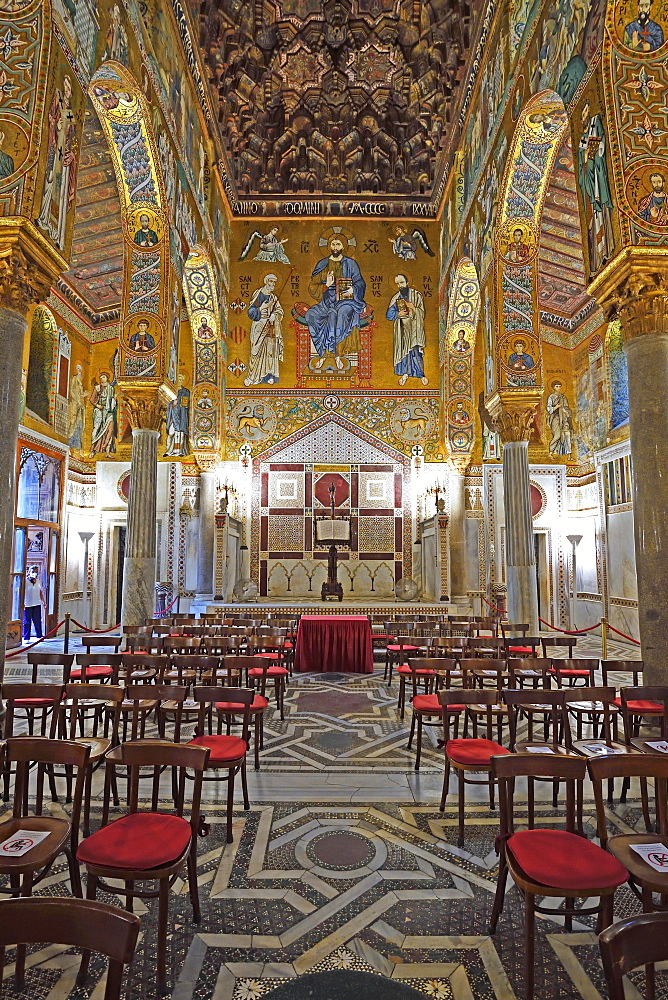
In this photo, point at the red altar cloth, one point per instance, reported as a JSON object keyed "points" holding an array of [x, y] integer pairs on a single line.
{"points": [[334, 643]]}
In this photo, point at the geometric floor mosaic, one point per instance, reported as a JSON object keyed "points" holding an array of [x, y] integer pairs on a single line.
{"points": [[320, 877]]}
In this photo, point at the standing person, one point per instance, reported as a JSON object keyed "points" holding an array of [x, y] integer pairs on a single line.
{"points": [[266, 335], [33, 599], [560, 420], [105, 417], [178, 422], [406, 311]]}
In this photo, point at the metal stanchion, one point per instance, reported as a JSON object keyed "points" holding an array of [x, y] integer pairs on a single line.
{"points": [[604, 637], [66, 640]]}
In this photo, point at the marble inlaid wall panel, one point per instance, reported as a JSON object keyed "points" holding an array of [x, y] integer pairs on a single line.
{"points": [[621, 556]]}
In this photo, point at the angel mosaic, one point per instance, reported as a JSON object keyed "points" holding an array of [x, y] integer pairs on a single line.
{"points": [[271, 248], [405, 244]]}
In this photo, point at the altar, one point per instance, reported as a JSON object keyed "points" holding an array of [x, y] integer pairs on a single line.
{"points": [[334, 644]]}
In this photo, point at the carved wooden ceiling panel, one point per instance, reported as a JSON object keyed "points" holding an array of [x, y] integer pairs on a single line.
{"points": [[341, 97]]}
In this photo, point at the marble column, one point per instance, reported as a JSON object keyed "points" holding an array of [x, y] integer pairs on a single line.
{"points": [[513, 417], [637, 293], [458, 569], [21, 285], [144, 411], [207, 525]]}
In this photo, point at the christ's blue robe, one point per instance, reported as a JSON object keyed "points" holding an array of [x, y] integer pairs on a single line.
{"points": [[329, 321]]}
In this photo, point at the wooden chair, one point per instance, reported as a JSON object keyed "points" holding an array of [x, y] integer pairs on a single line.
{"points": [[523, 647], [550, 863], [83, 702], [39, 754], [139, 701], [633, 667], [643, 880], [411, 671], [142, 668], [184, 668], [30, 698], [640, 703], [485, 646], [180, 645], [149, 846], [427, 706], [549, 708], [234, 668], [594, 707], [113, 642], [270, 669], [96, 667], [397, 653], [468, 755], [569, 672], [77, 923], [151, 644], [535, 672], [630, 943], [226, 753]]}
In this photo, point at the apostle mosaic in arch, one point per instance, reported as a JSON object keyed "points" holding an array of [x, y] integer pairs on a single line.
{"points": [[60, 178], [334, 321], [643, 34], [594, 183], [460, 344], [653, 206], [519, 360]]}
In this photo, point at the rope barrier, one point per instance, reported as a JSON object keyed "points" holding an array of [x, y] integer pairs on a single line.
{"points": [[161, 614], [623, 634], [565, 631], [95, 631], [24, 649]]}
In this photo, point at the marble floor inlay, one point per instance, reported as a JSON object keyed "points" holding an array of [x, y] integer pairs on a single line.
{"points": [[343, 861]]}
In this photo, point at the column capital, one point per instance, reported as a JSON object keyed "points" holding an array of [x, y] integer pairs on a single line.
{"points": [[459, 463], [513, 413], [29, 265], [634, 288], [207, 461], [144, 405]]}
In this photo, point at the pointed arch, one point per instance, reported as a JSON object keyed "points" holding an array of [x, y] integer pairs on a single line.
{"points": [[42, 360], [203, 309], [124, 114], [540, 131], [459, 351]]}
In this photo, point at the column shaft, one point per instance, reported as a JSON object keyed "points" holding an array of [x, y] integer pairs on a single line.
{"points": [[140, 543], [520, 555], [648, 419], [458, 574], [207, 530], [13, 326]]}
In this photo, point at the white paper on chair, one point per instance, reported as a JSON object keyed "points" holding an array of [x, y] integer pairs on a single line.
{"points": [[656, 855], [600, 749], [660, 745], [21, 842], [539, 750]]}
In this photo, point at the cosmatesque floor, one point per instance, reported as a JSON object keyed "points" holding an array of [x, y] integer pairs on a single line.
{"points": [[344, 861]]}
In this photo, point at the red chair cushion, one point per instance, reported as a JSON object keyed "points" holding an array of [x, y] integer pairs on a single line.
{"points": [[270, 672], [470, 751], [257, 705], [98, 671], [288, 645], [395, 647], [648, 707], [570, 672], [223, 748], [564, 861], [32, 702], [139, 841], [269, 656], [430, 703], [404, 669], [521, 649]]}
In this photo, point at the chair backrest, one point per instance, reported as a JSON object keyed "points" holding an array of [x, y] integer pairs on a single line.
{"points": [[180, 645], [630, 943], [633, 667], [79, 923], [561, 668], [80, 696], [26, 751], [588, 699], [87, 660], [467, 696], [145, 661], [511, 629], [554, 715], [148, 643], [490, 672], [38, 659], [506, 768], [517, 666], [13, 694], [629, 765], [137, 629], [188, 763], [206, 696], [97, 641], [566, 641], [232, 668]]}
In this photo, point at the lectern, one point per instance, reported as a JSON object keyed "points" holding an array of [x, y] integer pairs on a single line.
{"points": [[332, 531]]}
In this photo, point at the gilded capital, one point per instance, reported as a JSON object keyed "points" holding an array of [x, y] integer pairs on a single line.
{"points": [[21, 282], [145, 407], [459, 463], [634, 289], [207, 461], [513, 414]]}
